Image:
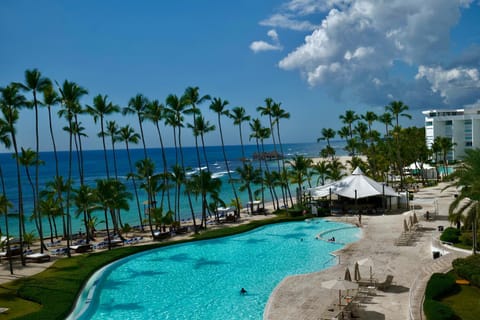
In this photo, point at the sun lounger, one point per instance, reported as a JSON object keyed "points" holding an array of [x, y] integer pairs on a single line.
{"points": [[81, 248], [385, 284], [161, 235], [38, 257]]}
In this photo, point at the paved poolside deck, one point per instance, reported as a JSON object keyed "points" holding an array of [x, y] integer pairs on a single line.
{"points": [[302, 296]]}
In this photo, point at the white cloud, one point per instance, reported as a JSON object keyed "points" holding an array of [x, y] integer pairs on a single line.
{"points": [[286, 22], [359, 40], [451, 84], [258, 46]]}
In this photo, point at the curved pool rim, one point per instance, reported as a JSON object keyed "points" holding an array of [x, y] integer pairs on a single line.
{"points": [[90, 291]]}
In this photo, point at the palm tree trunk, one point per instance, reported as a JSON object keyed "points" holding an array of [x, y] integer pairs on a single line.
{"points": [[134, 185], [37, 164], [165, 168], [10, 262], [140, 122], [183, 169]]}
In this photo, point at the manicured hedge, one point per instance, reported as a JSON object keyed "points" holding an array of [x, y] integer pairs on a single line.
{"points": [[451, 235], [440, 285], [468, 268]]}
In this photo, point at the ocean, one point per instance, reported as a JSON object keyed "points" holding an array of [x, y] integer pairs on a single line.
{"points": [[94, 167]]}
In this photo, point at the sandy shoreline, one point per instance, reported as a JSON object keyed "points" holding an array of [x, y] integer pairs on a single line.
{"points": [[302, 297]]}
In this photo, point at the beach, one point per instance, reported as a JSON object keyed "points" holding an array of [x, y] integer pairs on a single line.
{"points": [[303, 297]]}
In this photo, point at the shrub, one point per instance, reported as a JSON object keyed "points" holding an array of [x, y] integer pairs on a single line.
{"points": [[440, 285], [451, 235], [435, 310], [468, 268]]}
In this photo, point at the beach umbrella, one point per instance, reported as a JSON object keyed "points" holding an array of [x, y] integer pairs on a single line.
{"points": [[405, 225], [348, 276], [339, 285], [410, 218], [356, 272], [367, 262]]}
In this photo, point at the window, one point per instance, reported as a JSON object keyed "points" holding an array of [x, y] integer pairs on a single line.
{"points": [[468, 143]]}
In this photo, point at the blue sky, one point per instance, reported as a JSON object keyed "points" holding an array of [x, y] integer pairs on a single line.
{"points": [[318, 58]]}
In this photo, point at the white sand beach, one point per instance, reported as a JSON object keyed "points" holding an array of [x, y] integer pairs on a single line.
{"points": [[303, 297]]}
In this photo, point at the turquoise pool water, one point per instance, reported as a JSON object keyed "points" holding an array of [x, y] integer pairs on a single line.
{"points": [[202, 280]]}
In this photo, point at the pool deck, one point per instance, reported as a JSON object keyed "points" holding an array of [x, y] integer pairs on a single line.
{"points": [[302, 296]]}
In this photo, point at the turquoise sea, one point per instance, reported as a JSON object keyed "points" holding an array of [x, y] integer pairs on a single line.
{"points": [[94, 167]]}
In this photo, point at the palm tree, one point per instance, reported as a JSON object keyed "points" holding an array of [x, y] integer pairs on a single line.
{"points": [[34, 82], [248, 176], [111, 195], [335, 170], [145, 172], [71, 94], [10, 103], [113, 132], [202, 184], [328, 134], [85, 201], [156, 112], [51, 98], [370, 117], [218, 106], [199, 128], [468, 183], [175, 119], [191, 97], [446, 145], [128, 135], [256, 128], [349, 119], [137, 105], [4, 203], [277, 114], [299, 166], [397, 108], [101, 107], [267, 110], [386, 119], [321, 169], [239, 116], [28, 158]]}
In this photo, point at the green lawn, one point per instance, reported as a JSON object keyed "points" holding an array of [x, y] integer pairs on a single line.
{"points": [[466, 303], [51, 293]]}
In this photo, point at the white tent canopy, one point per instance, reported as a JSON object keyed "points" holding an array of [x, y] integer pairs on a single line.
{"points": [[355, 186]]}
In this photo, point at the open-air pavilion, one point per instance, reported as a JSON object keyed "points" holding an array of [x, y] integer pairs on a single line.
{"points": [[355, 193]]}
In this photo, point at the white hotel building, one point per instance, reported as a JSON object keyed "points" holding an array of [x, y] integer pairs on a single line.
{"points": [[461, 125]]}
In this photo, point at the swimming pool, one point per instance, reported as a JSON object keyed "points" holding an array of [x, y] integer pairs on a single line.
{"points": [[202, 279]]}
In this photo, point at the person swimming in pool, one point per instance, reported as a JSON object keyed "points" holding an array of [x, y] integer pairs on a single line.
{"points": [[243, 291]]}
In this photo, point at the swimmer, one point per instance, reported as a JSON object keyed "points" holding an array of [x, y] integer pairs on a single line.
{"points": [[243, 291]]}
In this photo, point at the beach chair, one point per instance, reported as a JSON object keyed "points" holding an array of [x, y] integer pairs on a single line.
{"points": [[385, 284], [38, 257]]}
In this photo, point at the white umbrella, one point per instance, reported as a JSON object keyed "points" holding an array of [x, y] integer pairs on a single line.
{"points": [[367, 262], [348, 276], [339, 285]]}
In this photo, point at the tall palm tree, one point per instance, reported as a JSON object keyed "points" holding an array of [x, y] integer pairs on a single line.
{"points": [[85, 201], [34, 82], [446, 145], [397, 108], [256, 132], [146, 173], [51, 98], [175, 119], [127, 134], [111, 196], [199, 128], [467, 180], [370, 117], [6, 141], [29, 158], [100, 108], [248, 177], [267, 110], [349, 119], [71, 94], [321, 170], [113, 132], [277, 114], [137, 105], [328, 134], [299, 166], [157, 112], [10, 103], [219, 107], [386, 118], [238, 114], [202, 184], [191, 97]]}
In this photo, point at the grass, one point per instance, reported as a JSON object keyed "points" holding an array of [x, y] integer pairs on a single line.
{"points": [[465, 303], [52, 293]]}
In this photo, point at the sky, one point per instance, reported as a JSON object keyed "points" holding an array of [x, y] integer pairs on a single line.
{"points": [[317, 58]]}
